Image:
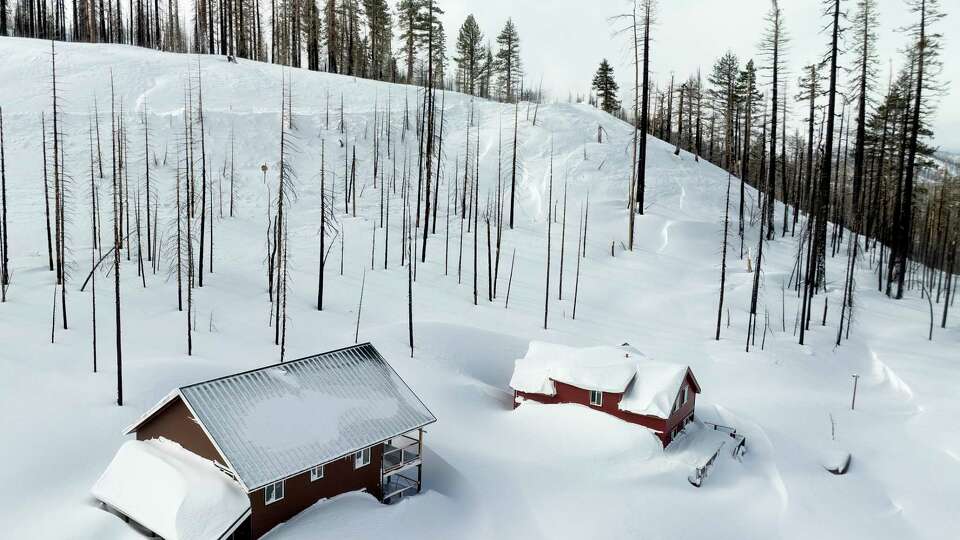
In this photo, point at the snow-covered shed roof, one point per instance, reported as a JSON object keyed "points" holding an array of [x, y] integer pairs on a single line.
{"points": [[649, 387], [281, 420], [172, 491]]}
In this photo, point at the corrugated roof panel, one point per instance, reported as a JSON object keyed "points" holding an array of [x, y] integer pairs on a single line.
{"points": [[283, 419]]}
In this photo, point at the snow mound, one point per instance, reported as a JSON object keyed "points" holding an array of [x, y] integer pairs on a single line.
{"points": [[835, 459], [171, 491], [648, 387]]}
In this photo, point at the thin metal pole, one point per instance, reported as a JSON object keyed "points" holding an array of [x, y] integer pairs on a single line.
{"points": [[853, 402]]}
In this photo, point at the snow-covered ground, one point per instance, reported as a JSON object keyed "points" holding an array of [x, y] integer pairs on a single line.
{"points": [[491, 471]]}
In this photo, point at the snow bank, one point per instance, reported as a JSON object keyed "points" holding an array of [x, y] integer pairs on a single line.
{"points": [[648, 387], [171, 491]]}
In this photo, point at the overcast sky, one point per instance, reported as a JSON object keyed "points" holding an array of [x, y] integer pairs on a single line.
{"points": [[564, 40]]}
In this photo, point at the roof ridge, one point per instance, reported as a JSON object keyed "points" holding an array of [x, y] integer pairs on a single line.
{"points": [[279, 364]]}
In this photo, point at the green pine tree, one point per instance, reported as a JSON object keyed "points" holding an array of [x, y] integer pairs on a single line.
{"points": [[606, 88], [508, 66], [471, 56]]}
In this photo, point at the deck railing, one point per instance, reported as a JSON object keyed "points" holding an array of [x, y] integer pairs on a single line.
{"points": [[400, 455], [400, 452], [740, 441]]}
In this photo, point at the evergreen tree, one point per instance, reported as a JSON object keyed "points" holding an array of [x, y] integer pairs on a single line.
{"points": [[508, 66], [606, 88], [409, 21], [380, 37], [471, 57], [724, 97], [489, 66], [438, 50], [332, 35]]}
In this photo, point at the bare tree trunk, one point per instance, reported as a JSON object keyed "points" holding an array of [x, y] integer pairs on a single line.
{"points": [[723, 256], [323, 219], [93, 250], [513, 173], [513, 260], [363, 282], [116, 251], [146, 161], [46, 193], [203, 176], [576, 280], [4, 254], [563, 241], [546, 298]]}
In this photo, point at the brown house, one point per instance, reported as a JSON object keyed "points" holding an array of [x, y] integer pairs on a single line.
{"points": [[249, 451], [619, 381]]}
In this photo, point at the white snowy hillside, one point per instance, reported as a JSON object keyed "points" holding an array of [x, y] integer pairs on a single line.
{"points": [[540, 471]]}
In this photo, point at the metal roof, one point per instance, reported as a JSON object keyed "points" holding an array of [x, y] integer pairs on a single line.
{"points": [[277, 421]]}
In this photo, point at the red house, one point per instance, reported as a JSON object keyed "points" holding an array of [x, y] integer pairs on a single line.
{"points": [[619, 381], [233, 457]]}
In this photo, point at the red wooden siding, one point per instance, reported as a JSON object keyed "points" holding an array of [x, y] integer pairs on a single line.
{"points": [[175, 422], [566, 393], [300, 493]]}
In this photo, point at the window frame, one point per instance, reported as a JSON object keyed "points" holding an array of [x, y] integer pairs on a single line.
{"points": [[362, 458], [681, 400], [599, 401], [317, 473], [272, 489]]}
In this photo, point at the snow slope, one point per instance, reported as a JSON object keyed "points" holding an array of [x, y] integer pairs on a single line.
{"points": [[535, 472]]}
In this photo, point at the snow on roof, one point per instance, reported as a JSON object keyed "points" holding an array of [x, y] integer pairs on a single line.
{"points": [[654, 389], [281, 420], [153, 411], [648, 387], [609, 369], [172, 491]]}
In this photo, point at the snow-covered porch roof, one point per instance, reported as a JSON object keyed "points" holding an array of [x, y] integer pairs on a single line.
{"points": [[172, 491]]}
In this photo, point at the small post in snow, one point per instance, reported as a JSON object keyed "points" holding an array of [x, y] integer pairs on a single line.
{"points": [[853, 402]]}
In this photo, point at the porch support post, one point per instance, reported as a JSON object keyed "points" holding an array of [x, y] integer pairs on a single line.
{"points": [[420, 466]]}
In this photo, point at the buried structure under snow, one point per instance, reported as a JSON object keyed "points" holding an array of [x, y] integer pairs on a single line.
{"points": [[283, 437], [619, 381]]}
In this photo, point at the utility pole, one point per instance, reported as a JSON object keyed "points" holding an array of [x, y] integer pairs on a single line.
{"points": [[853, 402]]}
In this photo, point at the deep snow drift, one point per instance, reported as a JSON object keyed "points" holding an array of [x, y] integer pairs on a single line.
{"points": [[490, 471]]}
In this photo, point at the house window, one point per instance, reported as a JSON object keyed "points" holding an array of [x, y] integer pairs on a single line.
{"points": [[681, 399], [596, 398], [361, 458], [273, 492], [316, 473]]}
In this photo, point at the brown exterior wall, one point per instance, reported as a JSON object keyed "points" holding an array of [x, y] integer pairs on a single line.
{"points": [[300, 493], [566, 393], [175, 422]]}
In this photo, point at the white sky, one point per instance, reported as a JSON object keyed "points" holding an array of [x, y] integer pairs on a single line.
{"points": [[564, 40]]}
